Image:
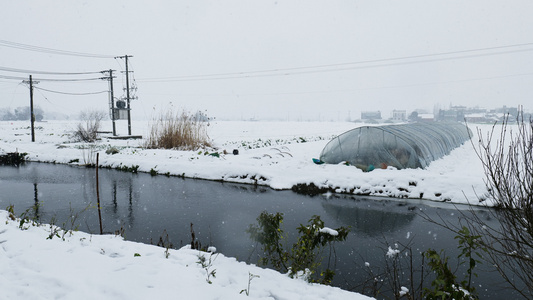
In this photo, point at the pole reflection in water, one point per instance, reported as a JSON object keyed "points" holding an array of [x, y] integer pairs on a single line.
{"points": [[146, 206], [36, 202]]}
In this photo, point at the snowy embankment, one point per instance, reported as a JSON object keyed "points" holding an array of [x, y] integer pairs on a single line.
{"points": [[82, 266], [278, 155], [275, 154]]}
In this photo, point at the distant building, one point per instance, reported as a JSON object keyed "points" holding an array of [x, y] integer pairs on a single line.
{"points": [[451, 115], [454, 113], [447, 115], [399, 115], [426, 117], [475, 118], [458, 107], [480, 118], [476, 114], [371, 115], [512, 111]]}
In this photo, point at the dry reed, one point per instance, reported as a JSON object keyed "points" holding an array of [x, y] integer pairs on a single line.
{"points": [[179, 130]]}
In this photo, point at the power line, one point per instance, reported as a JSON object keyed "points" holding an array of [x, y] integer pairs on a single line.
{"points": [[14, 70], [67, 93], [401, 86], [346, 66], [68, 80], [50, 79], [357, 89], [50, 50], [12, 77]]}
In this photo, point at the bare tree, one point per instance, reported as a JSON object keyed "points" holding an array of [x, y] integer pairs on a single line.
{"points": [[507, 158], [87, 130]]}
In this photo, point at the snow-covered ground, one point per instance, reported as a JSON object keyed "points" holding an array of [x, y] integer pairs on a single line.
{"points": [[275, 154], [84, 266]]}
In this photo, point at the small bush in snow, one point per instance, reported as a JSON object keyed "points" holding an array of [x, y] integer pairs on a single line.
{"points": [[434, 278], [250, 278], [446, 285], [303, 259], [112, 150], [87, 130], [207, 265]]}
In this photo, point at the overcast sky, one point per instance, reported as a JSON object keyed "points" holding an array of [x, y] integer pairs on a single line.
{"points": [[290, 60]]}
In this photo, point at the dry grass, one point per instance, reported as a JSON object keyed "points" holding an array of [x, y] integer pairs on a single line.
{"points": [[179, 130]]}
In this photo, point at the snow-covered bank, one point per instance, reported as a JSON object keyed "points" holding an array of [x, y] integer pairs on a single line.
{"points": [[84, 266], [275, 154]]}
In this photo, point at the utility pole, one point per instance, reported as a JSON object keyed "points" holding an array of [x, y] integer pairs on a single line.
{"points": [[127, 91], [32, 115], [128, 94], [111, 99]]}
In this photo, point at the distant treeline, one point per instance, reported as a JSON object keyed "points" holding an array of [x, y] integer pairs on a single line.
{"points": [[21, 113]]}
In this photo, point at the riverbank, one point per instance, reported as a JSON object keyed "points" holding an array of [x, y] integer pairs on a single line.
{"points": [[45, 262], [13, 158], [274, 154]]}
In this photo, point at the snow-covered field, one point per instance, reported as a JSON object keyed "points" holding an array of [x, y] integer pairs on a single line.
{"points": [[275, 154]]}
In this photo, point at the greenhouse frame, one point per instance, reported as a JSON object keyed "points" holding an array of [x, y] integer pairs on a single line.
{"points": [[412, 145]]}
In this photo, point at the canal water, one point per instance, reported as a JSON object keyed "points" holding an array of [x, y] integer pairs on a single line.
{"points": [[149, 207]]}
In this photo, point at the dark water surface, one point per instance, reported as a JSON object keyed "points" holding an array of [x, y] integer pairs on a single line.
{"points": [[146, 206]]}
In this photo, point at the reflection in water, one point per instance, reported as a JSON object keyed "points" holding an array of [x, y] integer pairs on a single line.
{"points": [[121, 189], [147, 206], [371, 218], [36, 202]]}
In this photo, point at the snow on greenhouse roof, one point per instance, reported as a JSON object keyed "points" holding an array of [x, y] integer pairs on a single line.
{"points": [[412, 145]]}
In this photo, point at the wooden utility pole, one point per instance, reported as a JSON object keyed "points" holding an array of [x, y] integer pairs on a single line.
{"points": [[128, 94], [128, 98], [32, 115], [111, 99]]}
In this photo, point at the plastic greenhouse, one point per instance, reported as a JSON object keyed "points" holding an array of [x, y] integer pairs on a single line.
{"points": [[413, 145]]}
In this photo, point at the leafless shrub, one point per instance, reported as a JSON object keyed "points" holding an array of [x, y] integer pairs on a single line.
{"points": [[508, 165], [506, 153], [87, 129], [400, 273], [88, 153], [179, 130]]}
